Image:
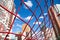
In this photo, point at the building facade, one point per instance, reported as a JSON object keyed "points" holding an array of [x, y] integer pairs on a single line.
{"points": [[5, 17], [54, 14], [26, 31]]}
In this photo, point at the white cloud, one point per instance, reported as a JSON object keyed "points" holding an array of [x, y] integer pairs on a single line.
{"points": [[18, 25], [19, 16], [28, 3], [41, 17], [45, 13], [28, 18], [37, 22]]}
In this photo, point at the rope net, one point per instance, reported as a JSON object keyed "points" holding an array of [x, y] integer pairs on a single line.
{"points": [[41, 31]]}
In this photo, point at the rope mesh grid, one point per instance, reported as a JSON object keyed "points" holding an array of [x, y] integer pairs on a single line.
{"points": [[43, 23]]}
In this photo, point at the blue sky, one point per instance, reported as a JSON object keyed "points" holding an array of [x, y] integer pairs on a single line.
{"points": [[25, 14]]}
